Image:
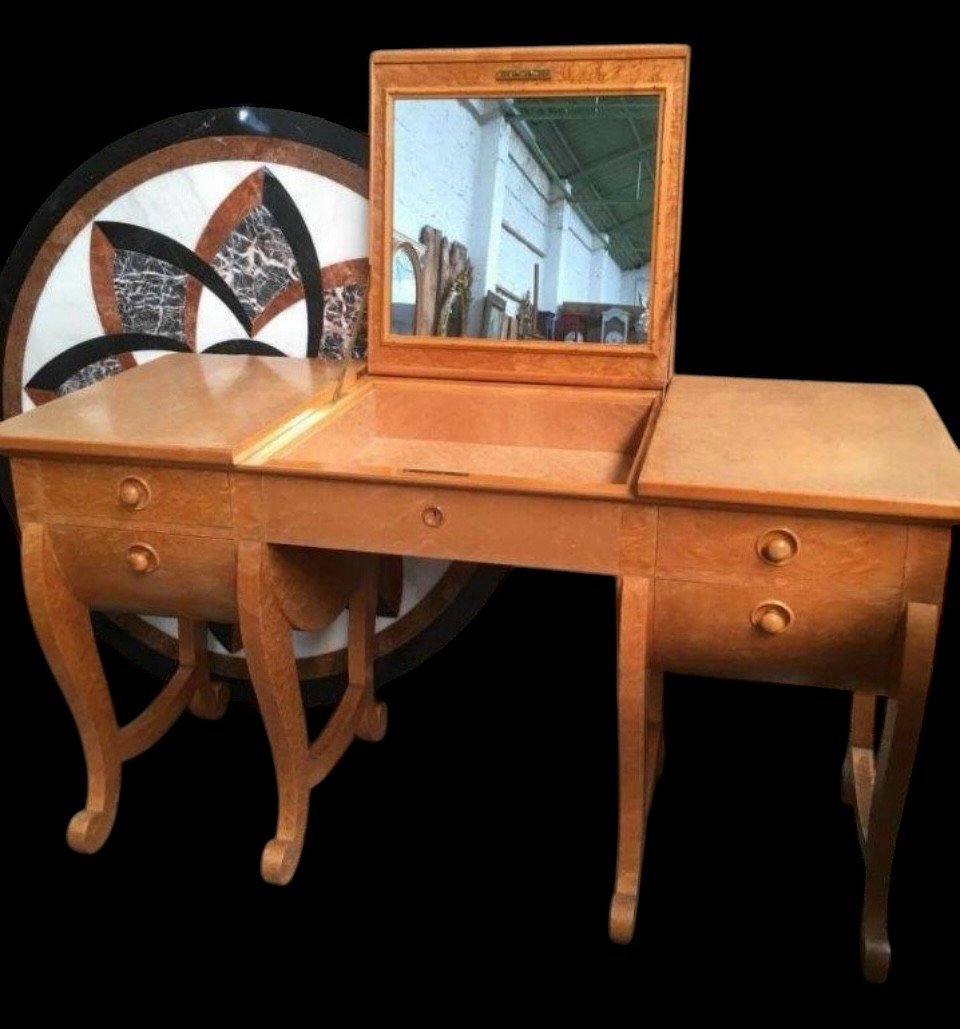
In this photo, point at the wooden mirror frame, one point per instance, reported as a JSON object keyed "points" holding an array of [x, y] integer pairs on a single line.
{"points": [[540, 72]]}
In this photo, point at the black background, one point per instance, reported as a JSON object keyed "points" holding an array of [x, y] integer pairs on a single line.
{"points": [[475, 845]]}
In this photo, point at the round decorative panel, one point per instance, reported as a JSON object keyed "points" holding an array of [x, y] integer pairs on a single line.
{"points": [[241, 231]]}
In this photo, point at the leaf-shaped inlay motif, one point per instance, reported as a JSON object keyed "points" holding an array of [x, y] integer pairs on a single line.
{"points": [[150, 294], [256, 261]]}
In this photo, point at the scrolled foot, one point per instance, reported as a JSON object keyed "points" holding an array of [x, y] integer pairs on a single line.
{"points": [[372, 726], [623, 917], [210, 701], [88, 831], [875, 956], [280, 859]]}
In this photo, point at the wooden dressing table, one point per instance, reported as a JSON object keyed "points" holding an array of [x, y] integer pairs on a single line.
{"points": [[727, 564], [792, 532]]}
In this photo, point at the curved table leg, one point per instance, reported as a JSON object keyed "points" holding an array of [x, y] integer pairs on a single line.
{"points": [[273, 672], [210, 699], [190, 686], [655, 726], [298, 764], [62, 624], [894, 763], [634, 606], [858, 764]]}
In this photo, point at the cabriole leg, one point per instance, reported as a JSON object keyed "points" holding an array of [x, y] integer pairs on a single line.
{"points": [[268, 641], [895, 757], [859, 762], [210, 699], [273, 671], [634, 603], [62, 624]]}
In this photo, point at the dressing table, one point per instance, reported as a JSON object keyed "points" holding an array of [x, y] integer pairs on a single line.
{"points": [[790, 532]]}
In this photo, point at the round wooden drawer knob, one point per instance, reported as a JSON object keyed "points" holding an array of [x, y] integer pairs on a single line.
{"points": [[133, 494], [433, 517], [142, 558], [778, 546], [772, 617]]}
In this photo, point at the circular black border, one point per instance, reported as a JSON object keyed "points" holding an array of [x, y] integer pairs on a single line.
{"points": [[346, 143]]}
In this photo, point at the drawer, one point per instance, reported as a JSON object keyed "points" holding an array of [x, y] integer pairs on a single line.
{"points": [[467, 524], [817, 634], [122, 492], [725, 546], [147, 572]]}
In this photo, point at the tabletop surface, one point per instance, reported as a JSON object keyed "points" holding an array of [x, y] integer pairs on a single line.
{"points": [[831, 446], [835, 446], [201, 409]]}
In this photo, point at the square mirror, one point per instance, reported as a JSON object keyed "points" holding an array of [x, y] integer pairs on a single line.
{"points": [[525, 213]]}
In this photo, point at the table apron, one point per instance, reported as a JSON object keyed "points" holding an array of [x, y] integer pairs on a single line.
{"points": [[563, 533]]}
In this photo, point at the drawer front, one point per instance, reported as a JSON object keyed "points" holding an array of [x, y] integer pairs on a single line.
{"points": [[466, 525], [121, 492], [148, 572], [724, 546], [813, 634]]}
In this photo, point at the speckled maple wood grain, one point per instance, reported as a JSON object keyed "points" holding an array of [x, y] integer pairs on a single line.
{"points": [[572, 71], [830, 446]]}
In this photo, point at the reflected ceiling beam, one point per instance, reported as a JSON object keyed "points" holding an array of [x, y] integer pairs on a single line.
{"points": [[578, 168], [634, 255], [575, 185], [584, 111], [639, 139], [645, 213], [527, 135], [605, 162], [609, 202]]}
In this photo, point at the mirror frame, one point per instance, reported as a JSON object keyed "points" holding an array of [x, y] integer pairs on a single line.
{"points": [[541, 72], [403, 247]]}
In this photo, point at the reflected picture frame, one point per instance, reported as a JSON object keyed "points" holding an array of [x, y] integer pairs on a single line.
{"points": [[494, 313], [542, 72]]}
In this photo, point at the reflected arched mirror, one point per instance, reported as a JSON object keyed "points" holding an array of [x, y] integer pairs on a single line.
{"points": [[405, 296]]}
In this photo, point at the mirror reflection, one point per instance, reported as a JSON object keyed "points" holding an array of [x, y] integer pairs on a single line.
{"points": [[528, 218], [405, 279]]}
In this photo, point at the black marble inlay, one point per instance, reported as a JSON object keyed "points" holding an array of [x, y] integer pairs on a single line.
{"points": [[88, 376], [155, 244], [151, 294], [343, 306], [66, 364], [256, 261], [294, 228]]}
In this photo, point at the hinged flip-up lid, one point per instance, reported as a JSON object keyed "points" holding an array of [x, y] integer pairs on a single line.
{"points": [[525, 213]]}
